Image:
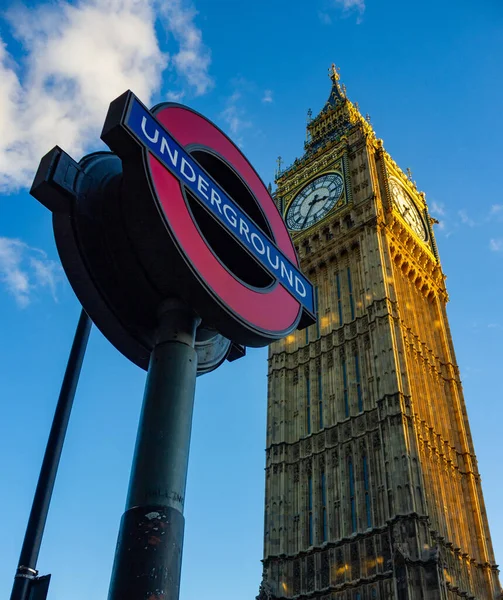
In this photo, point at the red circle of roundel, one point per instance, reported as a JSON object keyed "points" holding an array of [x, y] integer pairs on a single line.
{"points": [[273, 310]]}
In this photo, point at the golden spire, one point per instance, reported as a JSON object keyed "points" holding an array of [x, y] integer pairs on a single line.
{"points": [[333, 73], [338, 92]]}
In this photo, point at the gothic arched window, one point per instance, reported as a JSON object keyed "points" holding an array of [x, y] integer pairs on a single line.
{"points": [[352, 499], [345, 386], [339, 299], [351, 299], [358, 383], [308, 403], [320, 398], [366, 489], [317, 309], [310, 509], [324, 506]]}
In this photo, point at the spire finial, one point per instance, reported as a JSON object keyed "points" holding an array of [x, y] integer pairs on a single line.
{"points": [[309, 115], [333, 73], [409, 177], [336, 94], [279, 162]]}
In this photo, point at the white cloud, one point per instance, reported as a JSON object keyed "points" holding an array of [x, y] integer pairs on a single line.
{"points": [[495, 213], [193, 59], [324, 18], [465, 219], [267, 97], [350, 5], [496, 245], [234, 116], [173, 96], [24, 270], [77, 58], [437, 208]]}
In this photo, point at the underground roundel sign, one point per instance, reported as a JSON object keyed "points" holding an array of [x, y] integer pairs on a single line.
{"points": [[226, 248]]}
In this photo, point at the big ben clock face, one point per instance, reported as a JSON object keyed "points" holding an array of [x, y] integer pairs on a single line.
{"points": [[408, 209], [314, 201]]}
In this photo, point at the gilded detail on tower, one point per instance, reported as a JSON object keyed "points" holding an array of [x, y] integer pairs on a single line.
{"points": [[372, 488]]}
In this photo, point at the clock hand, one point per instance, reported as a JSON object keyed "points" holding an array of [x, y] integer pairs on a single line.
{"points": [[314, 201], [311, 204]]}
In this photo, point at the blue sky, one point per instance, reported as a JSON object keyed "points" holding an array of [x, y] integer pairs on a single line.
{"points": [[429, 75]]}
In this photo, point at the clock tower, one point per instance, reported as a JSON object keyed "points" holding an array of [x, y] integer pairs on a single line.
{"points": [[372, 487]]}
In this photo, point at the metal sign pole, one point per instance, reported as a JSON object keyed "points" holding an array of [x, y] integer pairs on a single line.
{"points": [[26, 578], [148, 556]]}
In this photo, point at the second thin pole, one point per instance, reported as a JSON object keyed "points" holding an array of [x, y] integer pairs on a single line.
{"points": [[26, 574]]}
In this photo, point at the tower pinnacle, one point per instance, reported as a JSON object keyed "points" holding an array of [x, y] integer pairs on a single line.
{"points": [[333, 73], [338, 92]]}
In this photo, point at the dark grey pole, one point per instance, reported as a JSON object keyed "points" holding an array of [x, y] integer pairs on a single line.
{"points": [[148, 556], [26, 574]]}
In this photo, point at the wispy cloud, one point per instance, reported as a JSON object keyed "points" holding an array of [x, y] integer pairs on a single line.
{"points": [[351, 6], [234, 115], [496, 245], [437, 209], [175, 96], [267, 97], [76, 59], [465, 219], [324, 17], [24, 270], [193, 58], [495, 213]]}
